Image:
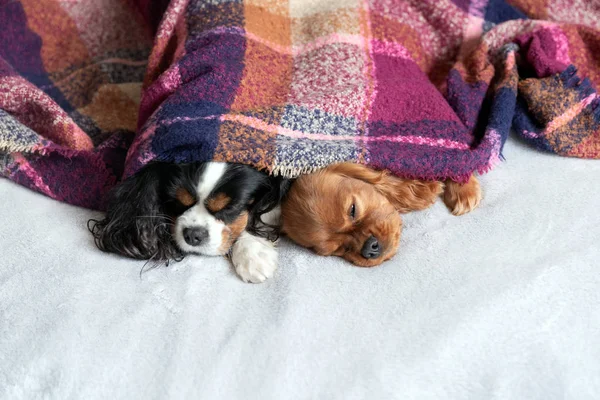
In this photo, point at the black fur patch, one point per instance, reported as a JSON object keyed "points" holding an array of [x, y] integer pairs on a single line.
{"points": [[143, 208]]}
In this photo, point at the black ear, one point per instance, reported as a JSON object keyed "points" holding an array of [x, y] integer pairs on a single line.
{"points": [[135, 224], [267, 198]]}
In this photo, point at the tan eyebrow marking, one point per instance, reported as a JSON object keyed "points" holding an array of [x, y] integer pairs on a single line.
{"points": [[184, 197], [217, 202]]}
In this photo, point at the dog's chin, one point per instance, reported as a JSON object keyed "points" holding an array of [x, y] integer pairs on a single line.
{"points": [[361, 261], [205, 250], [208, 249]]}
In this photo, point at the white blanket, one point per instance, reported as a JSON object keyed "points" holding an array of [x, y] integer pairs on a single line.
{"points": [[503, 303]]}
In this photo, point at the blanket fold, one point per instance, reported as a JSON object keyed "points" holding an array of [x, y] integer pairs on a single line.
{"points": [[91, 92]]}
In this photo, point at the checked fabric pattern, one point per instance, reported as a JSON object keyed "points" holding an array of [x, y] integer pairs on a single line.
{"points": [[91, 91]]}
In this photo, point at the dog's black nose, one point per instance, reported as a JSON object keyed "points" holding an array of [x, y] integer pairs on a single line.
{"points": [[371, 248], [195, 236]]}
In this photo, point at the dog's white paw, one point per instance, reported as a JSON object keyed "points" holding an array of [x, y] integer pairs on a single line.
{"points": [[254, 258]]}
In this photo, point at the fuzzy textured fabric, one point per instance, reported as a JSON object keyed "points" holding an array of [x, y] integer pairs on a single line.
{"points": [[92, 91]]}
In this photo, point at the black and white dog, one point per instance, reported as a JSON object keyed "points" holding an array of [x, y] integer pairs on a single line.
{"points": [[168, 210]]}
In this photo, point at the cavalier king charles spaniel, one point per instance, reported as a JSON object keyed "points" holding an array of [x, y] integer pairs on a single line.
{"points": [[167, 210], [351, 211]]}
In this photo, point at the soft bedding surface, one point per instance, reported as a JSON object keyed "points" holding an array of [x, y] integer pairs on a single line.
{"points": [[503, 303]]}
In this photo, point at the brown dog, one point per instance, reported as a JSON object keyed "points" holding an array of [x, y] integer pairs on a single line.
{"points": [[351, 211]]}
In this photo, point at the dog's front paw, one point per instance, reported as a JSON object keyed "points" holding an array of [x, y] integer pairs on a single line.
{"points": [[462, 198], [254, 258]]}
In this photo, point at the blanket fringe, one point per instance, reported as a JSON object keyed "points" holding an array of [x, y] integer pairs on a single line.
{"points": [[15, 148], [293, 172]]}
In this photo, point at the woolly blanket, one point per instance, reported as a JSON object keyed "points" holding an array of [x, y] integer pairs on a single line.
{"points": [[90, 91]]}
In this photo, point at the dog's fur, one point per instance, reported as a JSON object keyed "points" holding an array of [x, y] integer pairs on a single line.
{"points": [[234, 209], [336, 210], [167, 211]]}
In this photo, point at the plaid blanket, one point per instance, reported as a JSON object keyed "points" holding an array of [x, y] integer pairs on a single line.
{"points": [[90, 91]]}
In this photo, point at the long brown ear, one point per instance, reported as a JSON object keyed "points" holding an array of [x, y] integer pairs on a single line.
{"points": [[405, 194]]}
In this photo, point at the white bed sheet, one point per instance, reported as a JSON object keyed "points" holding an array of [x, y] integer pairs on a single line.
{"points": [[503, 303]]}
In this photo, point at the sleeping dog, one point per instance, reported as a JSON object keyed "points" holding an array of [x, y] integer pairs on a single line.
{"points": [[167, 211], [352, 211]]}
